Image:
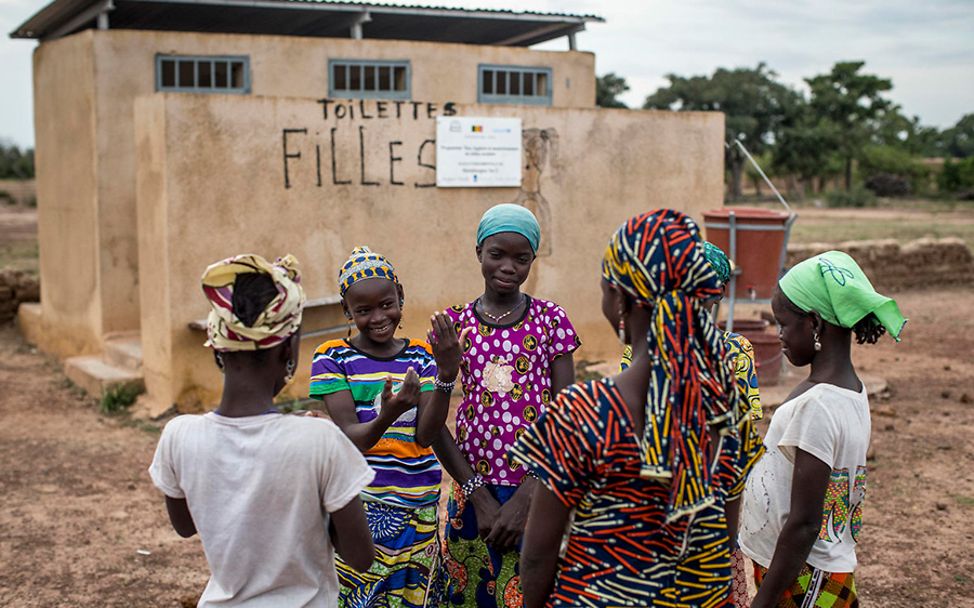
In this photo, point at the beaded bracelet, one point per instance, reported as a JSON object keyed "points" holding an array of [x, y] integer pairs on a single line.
{"points": [[446, 387], [472, 485]]}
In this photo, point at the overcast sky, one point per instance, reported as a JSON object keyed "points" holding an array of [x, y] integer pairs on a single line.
{"points": [[926, 48]]}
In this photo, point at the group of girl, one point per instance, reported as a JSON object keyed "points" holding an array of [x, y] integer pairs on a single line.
{"points": [[624, 491]]}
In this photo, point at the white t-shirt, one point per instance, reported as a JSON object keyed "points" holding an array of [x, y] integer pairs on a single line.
{"points": [[260, 489], [832, 424]]}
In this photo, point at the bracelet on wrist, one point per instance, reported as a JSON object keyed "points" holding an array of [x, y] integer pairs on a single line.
{"points": [[445, 387], [472, 485]]}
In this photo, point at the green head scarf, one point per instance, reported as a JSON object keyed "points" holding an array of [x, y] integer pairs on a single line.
{"points": [[718, 261], [833, 285]]}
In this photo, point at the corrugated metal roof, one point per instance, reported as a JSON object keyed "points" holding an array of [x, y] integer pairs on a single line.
{"points": [[324, 18]]}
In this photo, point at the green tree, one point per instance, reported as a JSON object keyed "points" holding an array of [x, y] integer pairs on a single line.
{"points": [[804, 149], [14, 163], [608, 87], [958, 141], [895, 129], [756, 106], [849, 105]]}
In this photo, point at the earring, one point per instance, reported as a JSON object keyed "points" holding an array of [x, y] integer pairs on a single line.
{"points": [[817, 345], [290, 370], [622, 330], [219, 362]]}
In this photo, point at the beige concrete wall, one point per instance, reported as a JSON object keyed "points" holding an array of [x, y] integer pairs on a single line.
{"points": [[85, 89], [67, 176], [216, 165]]}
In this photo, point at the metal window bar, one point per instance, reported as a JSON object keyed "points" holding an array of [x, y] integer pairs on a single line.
{"points": [[189, 74], [382, 79], [514, 84]]}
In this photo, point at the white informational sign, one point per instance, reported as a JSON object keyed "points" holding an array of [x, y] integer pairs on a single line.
{"points": [[478, 152]]}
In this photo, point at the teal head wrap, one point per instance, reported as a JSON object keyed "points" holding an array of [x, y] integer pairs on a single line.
{"points": [[833, 285], [509, 217], [718, 261]]}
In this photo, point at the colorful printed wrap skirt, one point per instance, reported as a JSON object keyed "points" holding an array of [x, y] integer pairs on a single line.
{"points": [[476, 575], [405, 571], [816, 588]]}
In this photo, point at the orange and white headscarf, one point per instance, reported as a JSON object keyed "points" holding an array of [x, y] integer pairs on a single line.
{"points": [[279, 320]]}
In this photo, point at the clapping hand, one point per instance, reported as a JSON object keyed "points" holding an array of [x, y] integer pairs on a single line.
{"points": [[447, 346], [401, 401]]}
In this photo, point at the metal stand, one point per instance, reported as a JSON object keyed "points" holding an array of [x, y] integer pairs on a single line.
{"points": [[732, 229]]}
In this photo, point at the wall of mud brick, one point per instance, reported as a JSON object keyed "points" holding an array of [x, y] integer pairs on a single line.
{"points": [[16, 287], [894, 267]]}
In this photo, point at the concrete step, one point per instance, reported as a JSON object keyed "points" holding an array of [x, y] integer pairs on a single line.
{"points": [[124, 350], [96, 376]]}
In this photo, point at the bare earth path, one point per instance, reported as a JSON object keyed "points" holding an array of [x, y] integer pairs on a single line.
{"points": [[76, 503]]}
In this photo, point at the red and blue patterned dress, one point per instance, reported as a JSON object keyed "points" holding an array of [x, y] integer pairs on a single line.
{"points": [[620, 550]]}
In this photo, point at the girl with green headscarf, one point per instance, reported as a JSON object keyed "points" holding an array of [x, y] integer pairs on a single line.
{"points": [[803, 503]]}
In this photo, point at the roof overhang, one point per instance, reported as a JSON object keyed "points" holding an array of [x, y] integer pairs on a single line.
{"points": [[317, 18]]}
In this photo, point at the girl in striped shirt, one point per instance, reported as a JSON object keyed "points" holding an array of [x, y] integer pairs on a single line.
{"points": [[390, 396]]}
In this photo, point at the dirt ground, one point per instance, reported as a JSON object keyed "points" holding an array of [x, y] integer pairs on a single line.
{"points": [[78, 509], [82, 525]]}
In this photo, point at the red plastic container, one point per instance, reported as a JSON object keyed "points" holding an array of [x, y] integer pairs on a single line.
{"points": [[759, 247]]}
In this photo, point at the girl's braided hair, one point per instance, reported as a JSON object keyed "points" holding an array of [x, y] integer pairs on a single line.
{"points": [[868, 330]]}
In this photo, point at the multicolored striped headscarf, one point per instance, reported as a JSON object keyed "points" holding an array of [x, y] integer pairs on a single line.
{"points": [[362, 264], [658, 259], [278, 322]]}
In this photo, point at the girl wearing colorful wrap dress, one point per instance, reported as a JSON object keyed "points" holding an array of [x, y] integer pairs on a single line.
{"points": [[803, 504], [738, 453], [518, 356], [629, 463], [358, 380]]}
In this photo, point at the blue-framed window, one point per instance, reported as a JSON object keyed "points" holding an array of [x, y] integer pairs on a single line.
{"points": [[203, 73], [514, 84], [375, 79]]}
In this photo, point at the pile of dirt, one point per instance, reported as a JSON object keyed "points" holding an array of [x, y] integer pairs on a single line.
{"points": [[894, 267], [16, 287]]}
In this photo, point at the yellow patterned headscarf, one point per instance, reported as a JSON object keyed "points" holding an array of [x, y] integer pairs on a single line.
{"points": [[278, 322], [363, 263]]}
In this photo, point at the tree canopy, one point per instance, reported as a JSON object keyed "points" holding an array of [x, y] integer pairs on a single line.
{"points": [[608, 87], [756, 106], [16, 163]]}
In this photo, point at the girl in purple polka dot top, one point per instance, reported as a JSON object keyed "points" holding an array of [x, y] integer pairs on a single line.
{"points": [[516, 359]]}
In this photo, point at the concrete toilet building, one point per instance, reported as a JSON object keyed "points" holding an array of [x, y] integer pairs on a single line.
{"points": [[171, 134]]}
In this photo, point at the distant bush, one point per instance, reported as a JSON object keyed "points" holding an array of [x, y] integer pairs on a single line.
{"points": [[888, 184], [6, 198], [892, 171], [957, 176], [16, 163], [857, 197]]}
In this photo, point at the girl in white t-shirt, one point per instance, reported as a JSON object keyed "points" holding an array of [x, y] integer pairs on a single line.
{"points": [[273, 497], [802, 511]]}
